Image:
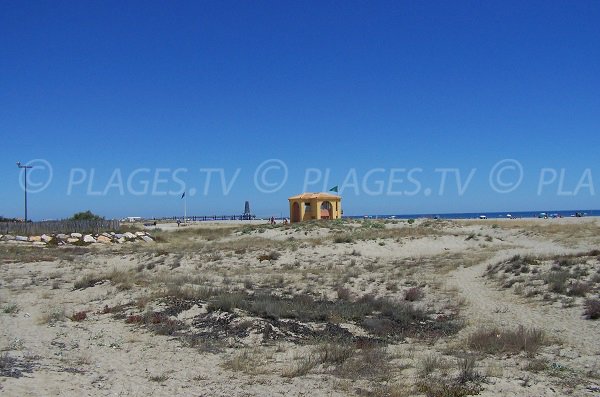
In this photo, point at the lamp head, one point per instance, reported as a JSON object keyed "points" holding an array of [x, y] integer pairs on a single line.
{"points": [[18, 163]]}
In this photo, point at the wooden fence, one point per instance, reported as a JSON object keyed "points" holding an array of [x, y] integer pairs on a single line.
{"points": [[54, 227]]}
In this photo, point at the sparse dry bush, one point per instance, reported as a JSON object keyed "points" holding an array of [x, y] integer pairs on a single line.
{"points": [[343, 293], [53, 316], [467, 372], [557, 280], [301, 367], [249, 361], [190, 292], [10, 308], [78, 316], [333, 352], [369, 363], [158, 322], [429, 364], [271, 256], [343, 239], [443, 388], [592, 309], [12, 367], [159, 378], [495, 340], [465, 383], [88, 281], [226, 301], [578, 288], [414, 294]]}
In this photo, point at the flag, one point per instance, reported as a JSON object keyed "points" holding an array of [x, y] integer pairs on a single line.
{"points": [[334, 189], [183, 195]]}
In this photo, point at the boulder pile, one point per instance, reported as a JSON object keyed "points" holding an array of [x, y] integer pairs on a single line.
{"points": [[78, 238]]}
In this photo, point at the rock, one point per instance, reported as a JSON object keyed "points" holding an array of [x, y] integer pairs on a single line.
{"points": [[45, 238], [40, 243], [21, 238], [118, 235], [35, 239], [76, 235], [8, 237], [121, 240], [147, 239], [106, 235], [88, 239], [62, 236], [140, 234], [129, 236], [104, 240], [72, 240], [112, 233]]}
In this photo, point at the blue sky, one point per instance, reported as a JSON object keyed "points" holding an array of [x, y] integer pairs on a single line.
{"points": [[113, 87]]}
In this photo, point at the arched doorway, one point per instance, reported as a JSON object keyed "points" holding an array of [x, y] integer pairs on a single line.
{"points": [[326, 210], [295, 212]]}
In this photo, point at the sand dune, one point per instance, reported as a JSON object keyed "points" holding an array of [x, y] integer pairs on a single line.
{"points": [[382, 308]]}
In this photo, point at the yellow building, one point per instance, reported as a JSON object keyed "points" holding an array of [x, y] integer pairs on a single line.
{"points": [[307, 206]]}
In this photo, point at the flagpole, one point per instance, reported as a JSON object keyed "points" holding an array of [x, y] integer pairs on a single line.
{"points": [[185, 208]]}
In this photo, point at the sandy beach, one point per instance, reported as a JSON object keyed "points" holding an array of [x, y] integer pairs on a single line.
{"points": [[353, 307]]}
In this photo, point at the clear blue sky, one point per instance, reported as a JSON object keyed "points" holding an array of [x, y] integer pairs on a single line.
{"points": [[330, 85]]}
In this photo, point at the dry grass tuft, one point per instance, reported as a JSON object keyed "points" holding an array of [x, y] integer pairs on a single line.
{"points": [[88, 281], [249, 361], [494, 340], [54, 316]]}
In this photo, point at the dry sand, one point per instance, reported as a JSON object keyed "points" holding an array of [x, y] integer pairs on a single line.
{"points": [[153, 326]]}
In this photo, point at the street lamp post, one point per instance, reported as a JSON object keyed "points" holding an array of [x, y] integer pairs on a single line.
{"points": [[25, 167]]}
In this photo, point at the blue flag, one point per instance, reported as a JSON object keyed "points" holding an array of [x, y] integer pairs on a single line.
{"points": [[334, 189]]}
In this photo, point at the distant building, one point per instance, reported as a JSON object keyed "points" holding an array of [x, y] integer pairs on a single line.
{"points": [[307, 206], [131, 219], [247, 215]]}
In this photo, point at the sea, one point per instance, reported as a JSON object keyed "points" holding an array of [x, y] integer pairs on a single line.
{"points": [[489, 215]]}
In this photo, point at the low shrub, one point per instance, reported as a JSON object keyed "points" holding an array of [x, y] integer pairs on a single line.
{"points": [[428, 365], [592, 309], [466, 370], [345, 238], [11, 308], [578, 288], [271, 256], [79, 316], [226, 302], [557, 280], [495, 340], [87, 281], [414, 294], [334, 353]]}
